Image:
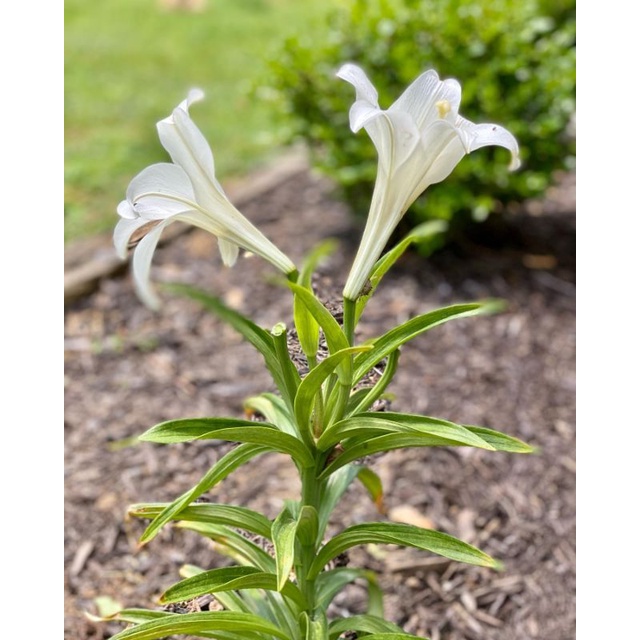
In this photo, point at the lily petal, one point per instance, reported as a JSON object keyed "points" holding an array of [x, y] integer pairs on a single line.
{"points": [[366, 93], [186, 144], [485, 135], [228, 251], [428, 99], [160, 191], [142, 265], [122, 233]]}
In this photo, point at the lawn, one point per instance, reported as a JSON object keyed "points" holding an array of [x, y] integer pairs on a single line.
{"points": [[129, 62]]}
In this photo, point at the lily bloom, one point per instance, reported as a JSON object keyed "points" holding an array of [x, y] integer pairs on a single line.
{"points": [[420, 139], [185, 191]]}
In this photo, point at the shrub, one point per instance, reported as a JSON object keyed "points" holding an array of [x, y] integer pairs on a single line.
{"points": [[517, 60]]}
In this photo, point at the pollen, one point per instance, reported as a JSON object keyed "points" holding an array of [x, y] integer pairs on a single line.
{"points": [[443, 106]]}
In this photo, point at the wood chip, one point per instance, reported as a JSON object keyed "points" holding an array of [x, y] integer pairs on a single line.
{"points": [[81, 557], [410, 515]]}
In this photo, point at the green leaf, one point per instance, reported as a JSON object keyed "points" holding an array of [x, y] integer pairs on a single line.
{"points": [[393, 636], [197, 623], [274, 410], [312, 383], [390, 341], [337, 484], [140, 616], [375, 606], [307, 528], [229, 600], [372, 483], [283, 533], [500, 441], [366, 401], [421, 232], [230, 515], [330, 583], [400, 534], [232, 544], [229, 429], [218, 472], [363, 623], [314, 627], [306, 325], [258, 337], [389, 442], [290, 375], [230, 579], [336, 340], [307, 329], [366, 426]]}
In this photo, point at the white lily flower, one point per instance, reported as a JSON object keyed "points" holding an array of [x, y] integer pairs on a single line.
{"points": [[185, 191], [420, 139]]}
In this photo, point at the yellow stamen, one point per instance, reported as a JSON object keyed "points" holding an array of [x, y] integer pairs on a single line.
{"points": [[443, 107]]}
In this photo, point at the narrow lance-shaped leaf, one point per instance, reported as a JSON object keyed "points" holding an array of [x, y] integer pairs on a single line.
{"points": [[306, 325], [372, 483], [336, 340], [218, 472], [307, 527], [197, 623], [230, 579], [400, 534], [314, 627], [261, 433], [274, 409], [365, 426], [337, 484], [366, 401], [231, 515], [330, 583], [283, 533], [398, 336], [140, 616], [392, 636], [290, 375], [389, 442], [501, 441], [363, 623]]}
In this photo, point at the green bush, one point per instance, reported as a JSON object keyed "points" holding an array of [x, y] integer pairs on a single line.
{"points": [[514, 59]]}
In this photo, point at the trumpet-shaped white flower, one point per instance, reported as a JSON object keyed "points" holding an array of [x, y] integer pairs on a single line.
{"points": [[420, 139], [186, 191]]}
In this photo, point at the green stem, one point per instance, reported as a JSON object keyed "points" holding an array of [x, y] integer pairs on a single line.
{"points": [[349, 319], [311, 495]]}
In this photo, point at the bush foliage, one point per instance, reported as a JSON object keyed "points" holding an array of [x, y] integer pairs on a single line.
{"points": [[516, 64]]}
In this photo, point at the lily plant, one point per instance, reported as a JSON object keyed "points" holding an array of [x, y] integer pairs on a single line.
{"points": [[324, 417]]}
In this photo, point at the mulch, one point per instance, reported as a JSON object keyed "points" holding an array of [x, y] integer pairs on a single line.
{"points": [[127, 369]]}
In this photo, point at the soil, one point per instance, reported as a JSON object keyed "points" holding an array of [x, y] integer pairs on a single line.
{"points": [[127, 369]]}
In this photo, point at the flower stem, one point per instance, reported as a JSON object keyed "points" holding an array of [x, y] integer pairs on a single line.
{"points": [[311, 495], [349, 319]]}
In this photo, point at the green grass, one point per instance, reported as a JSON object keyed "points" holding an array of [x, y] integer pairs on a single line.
{"points": [[128, 63]]}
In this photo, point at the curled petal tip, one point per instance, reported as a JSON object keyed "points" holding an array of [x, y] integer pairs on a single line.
{"points": [[195, 95]]}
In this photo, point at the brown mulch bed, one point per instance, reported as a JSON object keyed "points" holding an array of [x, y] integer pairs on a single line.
{"points": [[127, 369]]}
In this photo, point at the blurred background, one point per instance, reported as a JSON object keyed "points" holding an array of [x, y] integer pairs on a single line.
{"points": [[267, 68]]}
